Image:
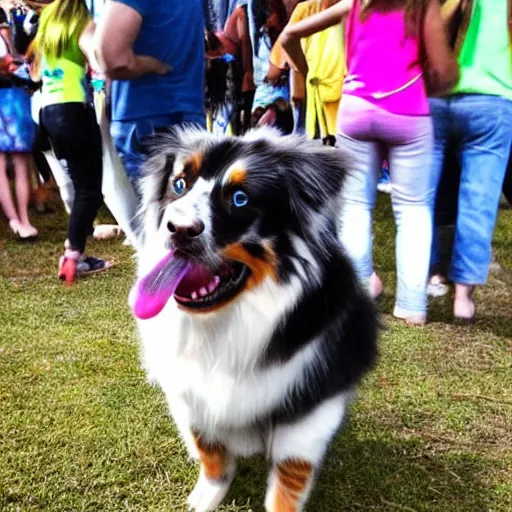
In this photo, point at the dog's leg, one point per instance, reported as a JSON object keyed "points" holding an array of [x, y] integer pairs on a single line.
{"points": [[215, 477], [289, 485], [297, 451]]}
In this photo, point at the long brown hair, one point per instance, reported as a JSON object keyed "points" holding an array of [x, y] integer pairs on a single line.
{"points": [[414, 10]]}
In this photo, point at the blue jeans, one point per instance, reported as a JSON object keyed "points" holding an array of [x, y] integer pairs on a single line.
{"points": [[408, 142], [481, 126], [130, 137]]}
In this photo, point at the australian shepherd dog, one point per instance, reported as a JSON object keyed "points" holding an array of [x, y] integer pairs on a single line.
{"points": [[252, 320]]}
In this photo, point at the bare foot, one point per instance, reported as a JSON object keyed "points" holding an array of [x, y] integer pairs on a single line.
{"points": [[412, 319], [463, 305], [27, 231]]}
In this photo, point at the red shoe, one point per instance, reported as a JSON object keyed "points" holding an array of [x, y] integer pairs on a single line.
{"points": [[67, 270]]}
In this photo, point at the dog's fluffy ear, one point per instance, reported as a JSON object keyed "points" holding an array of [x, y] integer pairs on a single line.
{"points": [[163, 152], [158, 168], [314, 181], [156, 171]]}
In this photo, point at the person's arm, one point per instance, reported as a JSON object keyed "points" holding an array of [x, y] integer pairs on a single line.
{"points": [[292, 34], [86, 43], [116, 34], [442, 66], [278, 56]]}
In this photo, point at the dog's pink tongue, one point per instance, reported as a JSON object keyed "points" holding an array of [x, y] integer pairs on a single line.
{"points": [[151, 292]]}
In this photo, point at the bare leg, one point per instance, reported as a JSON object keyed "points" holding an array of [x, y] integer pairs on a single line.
{"points": [[21, 170], [5, 192]]}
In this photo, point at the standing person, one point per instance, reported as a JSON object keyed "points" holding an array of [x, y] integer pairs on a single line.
{"points": [[315, 98], [266, 19], [477, 115], [384, 110], [153, 51], [63, 46], [17, 132]]}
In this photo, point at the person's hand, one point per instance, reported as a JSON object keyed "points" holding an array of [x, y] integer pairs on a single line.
{"points": [[273, 74], [162, 68]]}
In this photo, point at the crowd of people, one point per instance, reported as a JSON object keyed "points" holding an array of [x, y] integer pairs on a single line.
{"points": [[414, 92]]}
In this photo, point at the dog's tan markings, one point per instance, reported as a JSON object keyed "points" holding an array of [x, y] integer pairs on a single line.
{"points": [[237, 177], [292, 478], [213, 458], [193, 164], [190, 170], [260, 267]]}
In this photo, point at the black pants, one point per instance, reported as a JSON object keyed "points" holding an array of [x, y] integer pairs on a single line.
{"points": [[76, 138]]}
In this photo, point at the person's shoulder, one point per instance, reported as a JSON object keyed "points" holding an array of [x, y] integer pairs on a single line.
{"points": [[143, 7]]}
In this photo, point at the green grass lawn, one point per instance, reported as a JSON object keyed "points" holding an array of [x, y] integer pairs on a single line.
{"points": [[81, 430]]}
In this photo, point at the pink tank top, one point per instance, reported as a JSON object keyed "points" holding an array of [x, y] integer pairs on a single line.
{"points": [[384, 62]]}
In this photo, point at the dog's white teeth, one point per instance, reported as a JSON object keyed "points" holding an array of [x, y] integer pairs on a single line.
{"points": [[211, 287], [193, 295], [216, 280], [203, 291]]}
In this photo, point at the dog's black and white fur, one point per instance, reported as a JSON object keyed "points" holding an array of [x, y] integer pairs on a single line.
{"points": [[269, 363]]}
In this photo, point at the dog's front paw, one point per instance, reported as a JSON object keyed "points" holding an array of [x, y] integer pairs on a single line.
{"points": [[208, 494]]}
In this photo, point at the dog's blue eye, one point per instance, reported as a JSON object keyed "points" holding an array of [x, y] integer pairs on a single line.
{"points": [[240, 199], [179, 186]]}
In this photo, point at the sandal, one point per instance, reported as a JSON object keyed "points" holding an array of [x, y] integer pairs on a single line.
{"points": [[24, 233], [70, 268], [67, 270]]}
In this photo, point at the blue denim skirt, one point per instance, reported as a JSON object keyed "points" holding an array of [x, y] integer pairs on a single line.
{"points": [[17, 128]]}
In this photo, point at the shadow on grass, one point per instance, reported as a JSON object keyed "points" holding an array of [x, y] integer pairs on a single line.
{"points": [[387, 474]]}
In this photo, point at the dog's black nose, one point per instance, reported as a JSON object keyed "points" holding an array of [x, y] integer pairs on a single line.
{"points": [[188, 230]]}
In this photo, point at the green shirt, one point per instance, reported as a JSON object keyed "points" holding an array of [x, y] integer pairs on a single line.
{"points": [[64, 78], [486, 57]]}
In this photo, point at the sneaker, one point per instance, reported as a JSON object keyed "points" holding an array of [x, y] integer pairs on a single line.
{"points": [[437, 287], [386, 188], [70, 267], [384, 184], [91, 265]]}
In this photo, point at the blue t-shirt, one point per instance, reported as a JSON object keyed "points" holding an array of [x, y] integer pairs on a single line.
{"points": [[173, 32]]}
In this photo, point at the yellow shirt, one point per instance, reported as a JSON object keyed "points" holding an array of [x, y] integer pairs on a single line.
{"points": [[325, 55]]}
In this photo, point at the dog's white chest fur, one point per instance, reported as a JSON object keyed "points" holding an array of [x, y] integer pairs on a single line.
{"points": [[210, 362]]}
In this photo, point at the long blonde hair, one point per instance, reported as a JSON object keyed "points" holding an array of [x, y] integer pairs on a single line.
{"points": [[61, 23]]}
